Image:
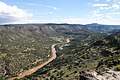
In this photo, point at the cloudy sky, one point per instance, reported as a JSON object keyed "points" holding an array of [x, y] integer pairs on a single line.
{"points": [[60, 11]]}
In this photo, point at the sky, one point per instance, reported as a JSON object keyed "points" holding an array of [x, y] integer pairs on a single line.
{"points": [[60, 11]]}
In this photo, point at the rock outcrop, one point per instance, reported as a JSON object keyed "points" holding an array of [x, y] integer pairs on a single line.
{"points": [[108, 75]]}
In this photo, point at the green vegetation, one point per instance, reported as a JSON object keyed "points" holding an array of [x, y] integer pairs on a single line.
{"points": [[118, 67], [100, 54], [24, 46]]}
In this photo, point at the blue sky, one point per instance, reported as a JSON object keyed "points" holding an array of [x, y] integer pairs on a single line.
{"points": [[60, 11]]}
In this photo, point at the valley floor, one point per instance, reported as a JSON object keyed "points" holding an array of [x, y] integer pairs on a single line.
{"points": [[30, 71]]}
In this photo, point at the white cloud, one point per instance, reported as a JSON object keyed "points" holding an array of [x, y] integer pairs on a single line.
{"points": [[50, 12], [115, 6], [108, 16], [51, 7], [114, 13], [106, 13], [12, 13], [108, 0], [100, 5], [97, 0], [112, 0], [97, 15], [116, 0], [105, 8], [55, 8]]}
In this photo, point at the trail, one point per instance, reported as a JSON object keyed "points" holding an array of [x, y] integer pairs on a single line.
{"points": [[31, 71]]}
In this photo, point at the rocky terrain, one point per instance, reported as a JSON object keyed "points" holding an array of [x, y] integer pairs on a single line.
{"points": [[108, 75]]}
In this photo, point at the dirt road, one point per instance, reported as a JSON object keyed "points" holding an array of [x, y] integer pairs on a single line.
{"points": [[31, 71]]}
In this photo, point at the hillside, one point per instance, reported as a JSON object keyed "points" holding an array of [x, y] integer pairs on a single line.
{"points": [[21, 48], [100, 55], [102, 28], [24, 46]]}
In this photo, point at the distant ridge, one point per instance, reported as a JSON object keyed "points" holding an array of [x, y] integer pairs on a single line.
{"points": [[91, 24], [94, 24]]}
